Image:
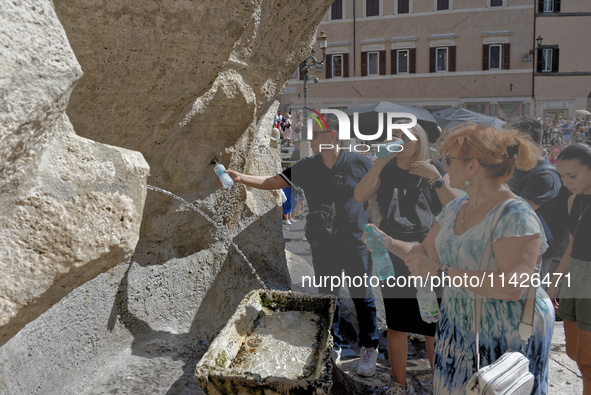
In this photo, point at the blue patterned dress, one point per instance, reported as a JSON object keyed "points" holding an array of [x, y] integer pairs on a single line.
{"points": [[455, 338]]}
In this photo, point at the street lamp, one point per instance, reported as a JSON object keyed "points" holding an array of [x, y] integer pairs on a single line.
{"points": [[310, 63]]}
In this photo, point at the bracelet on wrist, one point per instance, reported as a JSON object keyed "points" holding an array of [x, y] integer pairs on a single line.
{"points": [[443, 270], [435, 179]]}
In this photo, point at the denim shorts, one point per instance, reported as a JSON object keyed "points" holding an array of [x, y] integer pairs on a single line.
{"points": [[574, 296]]}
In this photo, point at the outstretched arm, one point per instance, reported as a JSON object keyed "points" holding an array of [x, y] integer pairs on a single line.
{"points": [[396, 247], [258, 182], [516, 258]]}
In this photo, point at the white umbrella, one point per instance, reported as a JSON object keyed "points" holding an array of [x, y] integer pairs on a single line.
{"points": [[585, 112]]}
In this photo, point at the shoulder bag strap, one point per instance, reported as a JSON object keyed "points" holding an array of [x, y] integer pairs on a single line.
{"points": [[527, 315]]}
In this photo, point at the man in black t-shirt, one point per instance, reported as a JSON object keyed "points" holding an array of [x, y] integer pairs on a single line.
{"points": [[542, 188], [334, 228]]}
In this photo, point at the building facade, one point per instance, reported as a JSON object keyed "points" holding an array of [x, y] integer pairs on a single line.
{"points": [[478, 54], [562, 82]]}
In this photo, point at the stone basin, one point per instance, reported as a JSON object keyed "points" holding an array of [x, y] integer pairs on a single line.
{"points": [[275, 343]]}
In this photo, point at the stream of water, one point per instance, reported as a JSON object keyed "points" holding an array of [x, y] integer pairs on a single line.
{"points": [[185, 205], [218, 227]]}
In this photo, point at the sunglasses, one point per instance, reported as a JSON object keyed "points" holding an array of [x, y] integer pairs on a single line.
{"points": [[315, 134], [448, 159]]}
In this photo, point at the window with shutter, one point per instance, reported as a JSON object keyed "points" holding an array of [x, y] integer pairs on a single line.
{"points": [[548, 60], [555, 53], [496, 56], [382, 62], [346, 65], [403, 6], [336, 10], [506, 56], [485, 53], [432, 54], [402, 61], [412, 66], [328, 62], [372, 7], [363, 64], [442, 5], [452, 58], [496, 3]]}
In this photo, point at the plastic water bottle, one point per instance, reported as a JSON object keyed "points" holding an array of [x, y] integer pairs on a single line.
{"points": [[381, 258], [224, 177], [428, 305], [386, 149]]}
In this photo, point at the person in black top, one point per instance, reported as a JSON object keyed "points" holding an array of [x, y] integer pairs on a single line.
{"points": [[411, 191], [574, 295], [334, 228], [542, 189]]}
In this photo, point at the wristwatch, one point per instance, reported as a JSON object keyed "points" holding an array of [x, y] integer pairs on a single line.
{"points": [[437, 182]]}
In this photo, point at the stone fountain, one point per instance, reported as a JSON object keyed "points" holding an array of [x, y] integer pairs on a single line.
{"points": [[108, 286]]}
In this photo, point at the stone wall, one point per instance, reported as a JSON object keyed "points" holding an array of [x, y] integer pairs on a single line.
{"points": [[70, 208], [182, 83]]}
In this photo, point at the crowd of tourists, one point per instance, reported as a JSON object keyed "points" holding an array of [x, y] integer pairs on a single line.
{"points": [[290, 126], [498, 205]]}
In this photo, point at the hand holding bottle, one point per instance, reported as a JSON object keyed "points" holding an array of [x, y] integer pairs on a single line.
{"points": [[224, 177], [387, 239], [380, 256]]}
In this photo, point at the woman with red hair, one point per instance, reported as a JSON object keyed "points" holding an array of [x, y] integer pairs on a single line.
{"points": [[480, 160]]}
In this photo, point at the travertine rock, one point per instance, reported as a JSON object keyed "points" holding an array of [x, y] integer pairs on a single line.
{"points": [[182, 82], [37, 73], [70, 208], [185, 82]]}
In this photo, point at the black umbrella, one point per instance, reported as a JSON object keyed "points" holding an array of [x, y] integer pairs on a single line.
{"points": [[368, 118], [452, 117]]}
